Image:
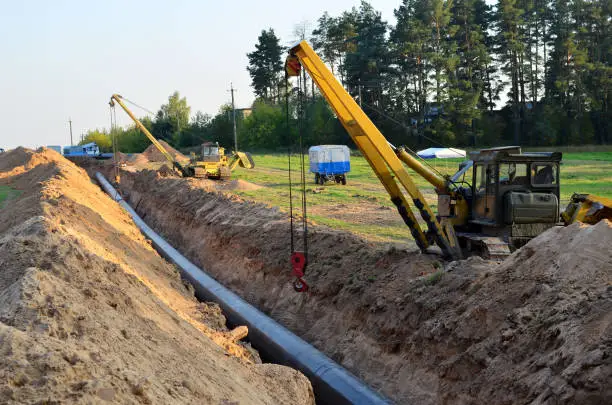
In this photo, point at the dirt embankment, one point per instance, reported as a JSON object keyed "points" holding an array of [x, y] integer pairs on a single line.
{"points": [[535, 329], [153, 155], [90, 313]]}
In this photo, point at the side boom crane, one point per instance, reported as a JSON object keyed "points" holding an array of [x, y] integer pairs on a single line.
{"points": [[384, 158], [116, 98], [213, 163], [513, 195]]}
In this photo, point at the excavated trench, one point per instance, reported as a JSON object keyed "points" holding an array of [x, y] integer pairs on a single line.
{"points": [[388, 315], [331, 383]]}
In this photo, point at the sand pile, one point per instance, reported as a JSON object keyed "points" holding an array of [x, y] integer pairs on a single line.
{"points": [[19, 160], [154, 155], [122, 157], [90, 313], [537, 328]]}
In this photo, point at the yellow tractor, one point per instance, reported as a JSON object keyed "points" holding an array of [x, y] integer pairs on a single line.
{"points": [[212, 164]]}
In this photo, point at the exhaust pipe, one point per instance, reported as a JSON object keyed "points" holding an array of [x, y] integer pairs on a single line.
{"points": [[332, 384]]}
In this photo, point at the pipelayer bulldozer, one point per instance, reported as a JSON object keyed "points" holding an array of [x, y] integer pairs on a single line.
{"points": [[509, 198], [213, 162]]}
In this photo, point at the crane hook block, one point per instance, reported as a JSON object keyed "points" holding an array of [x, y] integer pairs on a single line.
{"points": [[298, 263], [292, 66]]}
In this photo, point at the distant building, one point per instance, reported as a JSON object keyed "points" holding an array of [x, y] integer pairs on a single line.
{"points": [[433, 111], [244, 111], [241, 113]]}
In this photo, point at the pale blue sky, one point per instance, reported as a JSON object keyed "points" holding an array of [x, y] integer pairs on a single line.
{"points": [[65, 58]]}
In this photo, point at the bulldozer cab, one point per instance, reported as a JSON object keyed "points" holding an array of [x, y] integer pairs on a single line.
{"points": [[515, 191], [211, 152]]}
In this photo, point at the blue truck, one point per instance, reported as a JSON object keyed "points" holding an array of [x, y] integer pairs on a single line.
{"points": [[330, 163], [89, 149]]}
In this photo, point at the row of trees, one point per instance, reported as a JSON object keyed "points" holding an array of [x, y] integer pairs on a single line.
{"points": [[452, 72], [269, 126], [531, 72], [172, 123]]}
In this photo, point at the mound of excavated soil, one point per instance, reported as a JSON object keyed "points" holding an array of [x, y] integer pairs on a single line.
{"points": [[122, 157], [535, 329], [138, 159], [90, 313], [152, 154], [19, 160]]}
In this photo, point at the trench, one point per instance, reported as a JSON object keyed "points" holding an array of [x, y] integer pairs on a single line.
{"points": [[332, 384], [361, 311]]}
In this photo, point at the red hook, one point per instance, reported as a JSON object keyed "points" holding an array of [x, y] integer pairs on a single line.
{"points": [[298, 262]]}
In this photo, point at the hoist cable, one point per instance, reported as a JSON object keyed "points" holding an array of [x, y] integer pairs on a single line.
{"points": [[289, 159], [139, 106], [401, 124], [113, 134], [301, 94], [406, 127], [392, 119]]}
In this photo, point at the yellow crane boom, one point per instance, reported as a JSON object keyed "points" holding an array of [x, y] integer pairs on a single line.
{"points": [[385, 160]]}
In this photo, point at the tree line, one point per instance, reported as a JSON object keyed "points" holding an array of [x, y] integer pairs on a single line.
{"points": [[264, 126], [172, 123], [462, 72], [448, 72]]}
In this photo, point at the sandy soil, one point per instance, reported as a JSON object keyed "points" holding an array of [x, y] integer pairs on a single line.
{"points": [[535, 329], [90, 313], [152, 154]]}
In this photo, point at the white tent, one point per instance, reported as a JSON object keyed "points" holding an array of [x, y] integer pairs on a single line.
{"points": [[441, 153]]}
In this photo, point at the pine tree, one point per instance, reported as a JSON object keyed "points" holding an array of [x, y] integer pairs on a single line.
{"points": [[492, 85], [467, 79], [333, 39], [266, 66], [442, 50], [409, 42], [511, 50], [367, 64], [596, 36], [325, 42]]}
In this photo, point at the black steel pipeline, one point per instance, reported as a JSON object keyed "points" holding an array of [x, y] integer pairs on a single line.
{"points": [[331, 383]]}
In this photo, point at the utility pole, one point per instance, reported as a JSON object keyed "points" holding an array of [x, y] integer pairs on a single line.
{"points": [[359, 88], [70, 123], [234, 118]]}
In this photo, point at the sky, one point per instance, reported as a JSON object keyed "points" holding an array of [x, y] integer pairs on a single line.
{"points": [[63, 60]]}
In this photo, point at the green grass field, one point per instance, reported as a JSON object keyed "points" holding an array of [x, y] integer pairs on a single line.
{"points": [[363, 206], [6, 192]]}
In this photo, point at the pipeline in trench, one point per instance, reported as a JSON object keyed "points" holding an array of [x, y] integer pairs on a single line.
{"points": [[331, 383]]}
